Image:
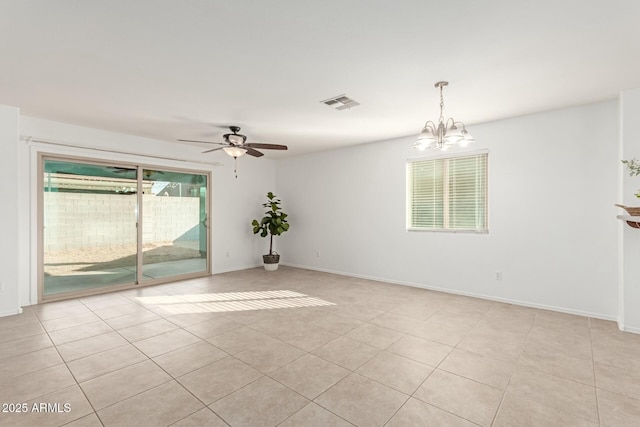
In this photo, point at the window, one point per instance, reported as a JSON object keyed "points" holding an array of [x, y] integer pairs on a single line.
{"points": [[448, 193]]}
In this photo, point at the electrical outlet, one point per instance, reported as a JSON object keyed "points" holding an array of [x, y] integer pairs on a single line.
{"points": [[498, 275], [228, 254], [317, 254]]}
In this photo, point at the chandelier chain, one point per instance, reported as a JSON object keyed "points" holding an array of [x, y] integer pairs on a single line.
{"points": [[441, 106]]}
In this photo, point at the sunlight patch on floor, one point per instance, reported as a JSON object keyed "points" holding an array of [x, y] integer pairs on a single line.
{"points": [[232, 301]]}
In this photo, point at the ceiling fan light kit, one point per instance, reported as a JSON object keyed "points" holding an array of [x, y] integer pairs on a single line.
{"points": [[234, 152], [445, 134]]}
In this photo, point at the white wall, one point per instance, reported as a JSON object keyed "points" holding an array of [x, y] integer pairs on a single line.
{"points": [[629, 316], [235, 201], [9, 271], [552, 230]]}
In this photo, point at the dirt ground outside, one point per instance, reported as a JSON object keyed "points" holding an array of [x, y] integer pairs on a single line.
{"points": [[70, 261]]}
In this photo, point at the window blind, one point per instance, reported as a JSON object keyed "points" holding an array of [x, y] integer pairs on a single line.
{"points": [[448, 193]]}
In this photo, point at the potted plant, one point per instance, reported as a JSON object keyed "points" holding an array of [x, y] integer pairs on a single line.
{"points": [[633, 167], [274, 223]]}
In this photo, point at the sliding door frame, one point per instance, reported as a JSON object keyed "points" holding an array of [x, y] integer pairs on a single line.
{"points": [[139, 167]]}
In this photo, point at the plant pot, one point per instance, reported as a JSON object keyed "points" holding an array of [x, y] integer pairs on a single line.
{"points": [[271, 262]]}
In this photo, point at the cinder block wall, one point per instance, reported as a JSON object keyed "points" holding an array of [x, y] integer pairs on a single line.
{"points": [[168, 218], [83, 220]]}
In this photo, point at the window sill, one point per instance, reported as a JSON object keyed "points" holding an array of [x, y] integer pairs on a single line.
{"points": [[446, 230]]}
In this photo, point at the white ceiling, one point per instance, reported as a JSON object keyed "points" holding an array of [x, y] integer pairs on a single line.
{"points": [[182, 69]]}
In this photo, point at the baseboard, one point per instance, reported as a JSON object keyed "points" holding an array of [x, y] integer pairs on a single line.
{"points": [[463, 293], [624, 328], [11, 312], [631, 329], [229, 270]]}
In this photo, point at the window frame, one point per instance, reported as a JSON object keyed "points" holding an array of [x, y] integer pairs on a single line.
{"points": [[446, 156]]}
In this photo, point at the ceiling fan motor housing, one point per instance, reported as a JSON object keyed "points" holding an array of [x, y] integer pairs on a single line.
{"points": [[235, 138]]}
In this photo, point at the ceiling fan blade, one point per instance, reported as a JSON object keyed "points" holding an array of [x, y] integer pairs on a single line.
{"points": [[202, 142], [252, 152], [266, 146], [213, 149]]}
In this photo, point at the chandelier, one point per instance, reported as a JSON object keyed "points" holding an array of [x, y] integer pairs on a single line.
{"points": [[446, 134]]}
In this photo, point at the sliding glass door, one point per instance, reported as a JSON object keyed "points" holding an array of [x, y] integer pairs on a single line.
{"points": [[107, 226], [89, 226], [174, 237]]}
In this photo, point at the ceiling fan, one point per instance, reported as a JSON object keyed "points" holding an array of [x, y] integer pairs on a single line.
{"points": [[236, 145]]}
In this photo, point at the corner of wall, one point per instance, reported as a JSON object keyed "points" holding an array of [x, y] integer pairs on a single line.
{"points": [[629, 238], [9, 218]]}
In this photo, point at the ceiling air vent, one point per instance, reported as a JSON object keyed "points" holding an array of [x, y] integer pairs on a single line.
{"points": [[340, 102]]}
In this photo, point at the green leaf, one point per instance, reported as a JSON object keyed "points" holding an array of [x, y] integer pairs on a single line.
{"points": [[274, 220]]}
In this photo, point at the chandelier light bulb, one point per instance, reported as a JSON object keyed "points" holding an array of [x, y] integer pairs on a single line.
{"points": [[468, 139], [419, 145]]}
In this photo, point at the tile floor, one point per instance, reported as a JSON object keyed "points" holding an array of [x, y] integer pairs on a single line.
{"points": [[302, 348]]}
